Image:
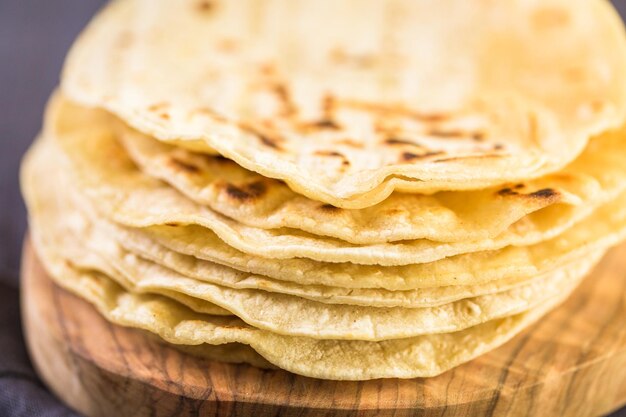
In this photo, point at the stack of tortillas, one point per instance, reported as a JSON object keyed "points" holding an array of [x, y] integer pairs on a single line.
{"points": [[346, 189]]}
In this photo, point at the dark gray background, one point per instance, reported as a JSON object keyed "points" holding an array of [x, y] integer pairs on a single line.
{"points": [[34, 36]]}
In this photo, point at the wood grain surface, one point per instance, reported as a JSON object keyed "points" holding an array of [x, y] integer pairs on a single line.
{"points": [[571, 363]]}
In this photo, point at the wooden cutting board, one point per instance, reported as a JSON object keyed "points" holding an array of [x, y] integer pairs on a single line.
{"points": [[571, 363]]}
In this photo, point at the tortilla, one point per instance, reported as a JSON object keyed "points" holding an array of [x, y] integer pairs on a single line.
{"points": [[256, 201], [125, 195], [66, 235], [406, 95], [420, 356]]}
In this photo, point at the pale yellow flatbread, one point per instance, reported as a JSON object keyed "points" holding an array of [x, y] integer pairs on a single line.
{"points": [[256, 201], [348, 100], [419, 356], [122, 193], [68, 236]]}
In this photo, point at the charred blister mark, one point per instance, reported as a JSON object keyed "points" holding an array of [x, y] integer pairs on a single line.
{"points": [[329, 208], [411, 156], [335, 154], [181, 165], [173, 224], [327, 121], [269, 142], [323, 124], [247, 192], [507, 191], [266, 139], [544, 193], [395, 141]]}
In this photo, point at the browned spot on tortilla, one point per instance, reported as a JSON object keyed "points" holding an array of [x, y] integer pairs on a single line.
{"points": [[268, 142], [328, 104], [456, 134], [394, 211], [284, 96], [334, 154], [399, 141], [544, 193], [410, 156], [183, 165], [478, 136], [206, 6], [498, 147], [164, 116], [507, 191], [246, 192], [172, 224], [266, 139], [328, 208], [329, 153], [323, 124], [217, 158]]}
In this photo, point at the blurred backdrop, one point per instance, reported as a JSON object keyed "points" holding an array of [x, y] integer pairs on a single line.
{"points": [[34, 36]]}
